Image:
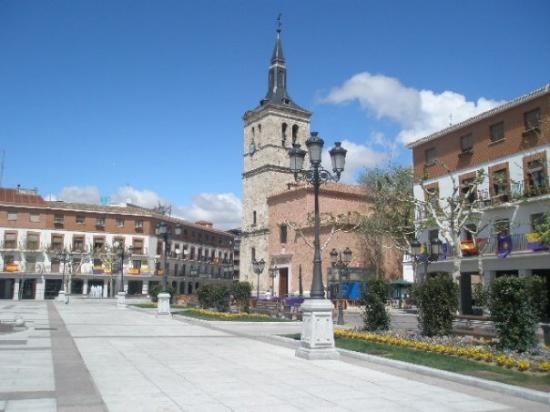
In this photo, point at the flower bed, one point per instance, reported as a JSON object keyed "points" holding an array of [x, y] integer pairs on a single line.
{"points": [[213, 315], [482, 351]]}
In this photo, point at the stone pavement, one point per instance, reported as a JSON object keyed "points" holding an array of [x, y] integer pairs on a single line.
{"points": [[98, 357]]}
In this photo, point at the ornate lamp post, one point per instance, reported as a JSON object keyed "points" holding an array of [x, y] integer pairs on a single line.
{"points": [[433, 249], [258, 266], [65, 257], [119, 250], [273, 274], [163, 230], [317, 340], [341, 261]]}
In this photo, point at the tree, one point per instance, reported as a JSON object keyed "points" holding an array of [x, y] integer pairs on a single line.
{"points": [[375, 316], [391, 195]]}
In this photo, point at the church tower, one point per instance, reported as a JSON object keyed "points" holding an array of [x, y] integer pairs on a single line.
{"points": [[269, 132]]}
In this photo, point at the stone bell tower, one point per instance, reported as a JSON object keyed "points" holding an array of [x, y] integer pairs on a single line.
{"points": [[269, 132]]}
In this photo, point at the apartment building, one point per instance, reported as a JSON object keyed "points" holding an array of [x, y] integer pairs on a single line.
{"points": [[510, 146], [43, 243]]}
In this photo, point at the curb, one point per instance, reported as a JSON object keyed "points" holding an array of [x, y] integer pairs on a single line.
{"points": [[524, 393]]}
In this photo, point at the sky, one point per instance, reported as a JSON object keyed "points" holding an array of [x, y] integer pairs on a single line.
{"points": [[142, 101]]}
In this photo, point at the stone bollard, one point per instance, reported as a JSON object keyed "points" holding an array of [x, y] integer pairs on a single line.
{"points": [[163, 303], [61, 296], [121, 300]]}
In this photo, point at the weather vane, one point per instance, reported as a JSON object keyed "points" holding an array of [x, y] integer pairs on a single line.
{"points": [[279, 23]]}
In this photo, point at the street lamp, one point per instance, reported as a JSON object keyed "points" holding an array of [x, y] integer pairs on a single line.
{"points": [[258, 266], [317, 340], [273, 274], [119, 249], [163, 230], [341, 261], [432, 251], [65, 257]]}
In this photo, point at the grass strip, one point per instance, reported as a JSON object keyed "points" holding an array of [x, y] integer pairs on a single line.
{"points": [[449, 363]]}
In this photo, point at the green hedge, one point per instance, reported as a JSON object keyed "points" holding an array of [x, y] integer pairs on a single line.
{"points": [[437, 302], [516, 305], [375, 317]]}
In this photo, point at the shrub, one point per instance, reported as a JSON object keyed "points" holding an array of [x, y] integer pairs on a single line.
{"points": [[538, 295], [375, 316], [514, 312], [241, 292], [437, 302], [214, 296], [155, 290]]}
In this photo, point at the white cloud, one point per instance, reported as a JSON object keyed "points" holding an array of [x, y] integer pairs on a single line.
{"points": [[357, 158], [79, 194], [222, 209], [144, 198], [418, 112]]}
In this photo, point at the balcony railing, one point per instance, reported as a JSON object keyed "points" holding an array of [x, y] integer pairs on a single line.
{"points": [[493, 246]]}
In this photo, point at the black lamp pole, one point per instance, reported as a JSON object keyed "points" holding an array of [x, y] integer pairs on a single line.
{"points": [[433, 249], [163, 230], [63, 256], [258, 266], [315, 176]]}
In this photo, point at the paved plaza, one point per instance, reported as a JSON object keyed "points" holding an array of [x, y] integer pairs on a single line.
{"points": [[90, 356]]}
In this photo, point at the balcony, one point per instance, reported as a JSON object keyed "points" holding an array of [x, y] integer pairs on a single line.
{"points": [[134, 271]]}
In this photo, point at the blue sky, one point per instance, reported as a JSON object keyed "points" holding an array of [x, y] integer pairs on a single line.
{"points": [[143, 100]]}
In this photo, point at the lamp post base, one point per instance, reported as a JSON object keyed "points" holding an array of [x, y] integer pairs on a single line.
{"points": [[163, 304], [61, 296], [121, 300], [317, 340]]}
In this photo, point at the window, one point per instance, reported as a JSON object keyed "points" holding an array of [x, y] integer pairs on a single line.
{"points": [[10, 240], [100, 222], [57, 242], [136, 264], [499, 184], [433, 235], [283, 233], [469, 230], [33, 241], [34, 217], [284, 126], [536, 220], [192, 253], [199, 254], [99, 243], [497, 131], [119, 222], [137, 244], [159, 247], [430, 156], [531, 119], [139, 225], [253, 253], [259, 129], [55, 266], [254, 218], [536, 177], [78, 243], [466, 143], [58, 219], [295, 129], [467, 186], [431, 195], [12, 216], [80, 219]]}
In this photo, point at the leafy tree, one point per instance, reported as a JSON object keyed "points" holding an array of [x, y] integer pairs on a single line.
{"points": [[514, 312], [241, 292], [437, 301], [214, 296], [543, 229], [375, 316]]}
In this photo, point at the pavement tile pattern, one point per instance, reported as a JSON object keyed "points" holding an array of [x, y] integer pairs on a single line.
{"points": [[129, 360]]}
